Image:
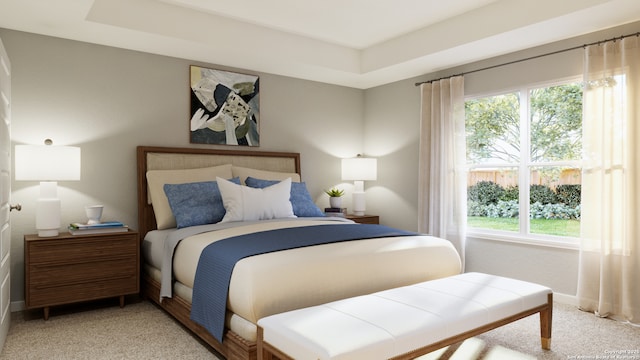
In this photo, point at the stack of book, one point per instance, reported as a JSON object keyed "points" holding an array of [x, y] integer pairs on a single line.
{"points": [[340, 212], [101, 228]]}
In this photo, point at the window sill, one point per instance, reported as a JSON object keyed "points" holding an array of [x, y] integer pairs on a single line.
{"points": [[526, 240]]}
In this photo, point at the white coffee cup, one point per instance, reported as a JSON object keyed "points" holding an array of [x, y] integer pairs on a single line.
{"points": [[94, 213]]}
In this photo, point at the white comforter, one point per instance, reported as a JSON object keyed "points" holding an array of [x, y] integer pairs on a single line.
{"points": [[282, 281]]}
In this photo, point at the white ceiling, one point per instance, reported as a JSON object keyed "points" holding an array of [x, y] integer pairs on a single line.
{"points": [[356, 43]]}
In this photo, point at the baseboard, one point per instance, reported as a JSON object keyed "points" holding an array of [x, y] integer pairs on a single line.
{"points": [[16, 306], [565, 299]]}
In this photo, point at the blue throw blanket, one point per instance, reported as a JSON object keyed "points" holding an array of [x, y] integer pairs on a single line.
{"points": [[213, 274]]}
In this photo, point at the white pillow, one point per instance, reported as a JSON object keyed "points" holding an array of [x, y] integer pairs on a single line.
{"points": [[243, 203]]}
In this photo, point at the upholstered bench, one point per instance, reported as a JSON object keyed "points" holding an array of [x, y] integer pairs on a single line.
{"points": [[405, 322]]}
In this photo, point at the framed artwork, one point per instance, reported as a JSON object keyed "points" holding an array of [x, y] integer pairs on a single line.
{"points": [[225, 107]]}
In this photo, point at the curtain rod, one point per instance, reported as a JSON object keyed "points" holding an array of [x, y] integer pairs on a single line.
{"points": [[529, 58]]}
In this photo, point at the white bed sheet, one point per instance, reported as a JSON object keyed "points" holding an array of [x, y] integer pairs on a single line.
{"points": [[263, 285]]}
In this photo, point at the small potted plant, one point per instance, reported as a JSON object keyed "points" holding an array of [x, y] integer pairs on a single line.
{"points": [[335, 197]]}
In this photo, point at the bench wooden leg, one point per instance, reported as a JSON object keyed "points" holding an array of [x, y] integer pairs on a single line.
{"points": [[260, 344], [545, 324], [266, 351]]}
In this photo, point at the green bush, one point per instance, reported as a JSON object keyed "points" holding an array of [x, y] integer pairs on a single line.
{"points": [[475, 209], [542, 194], [488, 199], [511, 193], [492, 211], [553, 211], [503, 209], [569, 194], [509, 209], [485, 192]]}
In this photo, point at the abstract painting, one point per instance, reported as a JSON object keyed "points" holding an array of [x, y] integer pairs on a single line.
{"points": [[225, 107]]}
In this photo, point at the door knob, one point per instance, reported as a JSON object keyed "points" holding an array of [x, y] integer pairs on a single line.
{"points": [[15, 207]]}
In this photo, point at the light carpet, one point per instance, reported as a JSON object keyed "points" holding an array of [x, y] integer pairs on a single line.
{"points": [[141, 330]]}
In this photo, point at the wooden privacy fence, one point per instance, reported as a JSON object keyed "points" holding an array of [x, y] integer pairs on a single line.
{"points": [[506, 178]]}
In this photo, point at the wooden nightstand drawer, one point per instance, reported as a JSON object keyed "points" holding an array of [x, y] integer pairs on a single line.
{"points": [[71, 268], [44, 295], [72, 249], [50, 276], [364, 219]]}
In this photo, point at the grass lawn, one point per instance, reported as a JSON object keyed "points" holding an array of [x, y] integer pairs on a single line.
{"points": [[538, 226]]}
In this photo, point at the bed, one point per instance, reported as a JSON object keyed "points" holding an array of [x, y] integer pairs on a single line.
{"points": [[275, 281]]}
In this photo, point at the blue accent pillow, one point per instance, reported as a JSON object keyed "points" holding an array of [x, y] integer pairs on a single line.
{"points": [[197, 203], [303, 205]]}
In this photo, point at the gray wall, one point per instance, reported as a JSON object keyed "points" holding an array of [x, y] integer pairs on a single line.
{"points": [[108, 101]]}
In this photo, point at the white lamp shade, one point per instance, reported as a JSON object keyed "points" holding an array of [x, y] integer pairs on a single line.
{"points": [[359, 168], [47, 162]]}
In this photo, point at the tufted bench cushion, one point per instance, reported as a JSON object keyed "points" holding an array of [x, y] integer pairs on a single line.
{"points": [[405, 322]]}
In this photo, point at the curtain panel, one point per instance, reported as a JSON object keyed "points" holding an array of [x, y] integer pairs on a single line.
{"points": [[442, 203], [609, 268]]}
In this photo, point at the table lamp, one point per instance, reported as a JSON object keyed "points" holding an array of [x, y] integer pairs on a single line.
{"points": [[359, 169], [47, 164]]}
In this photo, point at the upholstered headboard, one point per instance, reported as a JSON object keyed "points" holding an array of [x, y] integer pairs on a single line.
{"points": [[167, 158]]}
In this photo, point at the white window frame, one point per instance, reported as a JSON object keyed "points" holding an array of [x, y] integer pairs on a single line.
{"points": [[524, 179]]}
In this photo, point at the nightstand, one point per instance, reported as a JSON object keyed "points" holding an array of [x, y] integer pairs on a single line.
{"points": [[364, 219], [69, 268]]}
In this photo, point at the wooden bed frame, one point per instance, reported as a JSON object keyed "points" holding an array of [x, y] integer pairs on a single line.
{"points": [[233, 347]]}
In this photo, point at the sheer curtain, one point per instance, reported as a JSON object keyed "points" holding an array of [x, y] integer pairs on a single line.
{"points": [[609, 269], [442, 204]]}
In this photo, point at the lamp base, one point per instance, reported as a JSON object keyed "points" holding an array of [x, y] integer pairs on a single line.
{"points": [[48, 210], [358, 203], [48, 233]]}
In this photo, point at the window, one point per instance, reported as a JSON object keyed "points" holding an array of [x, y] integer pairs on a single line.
{"points": [[523, 154]]}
